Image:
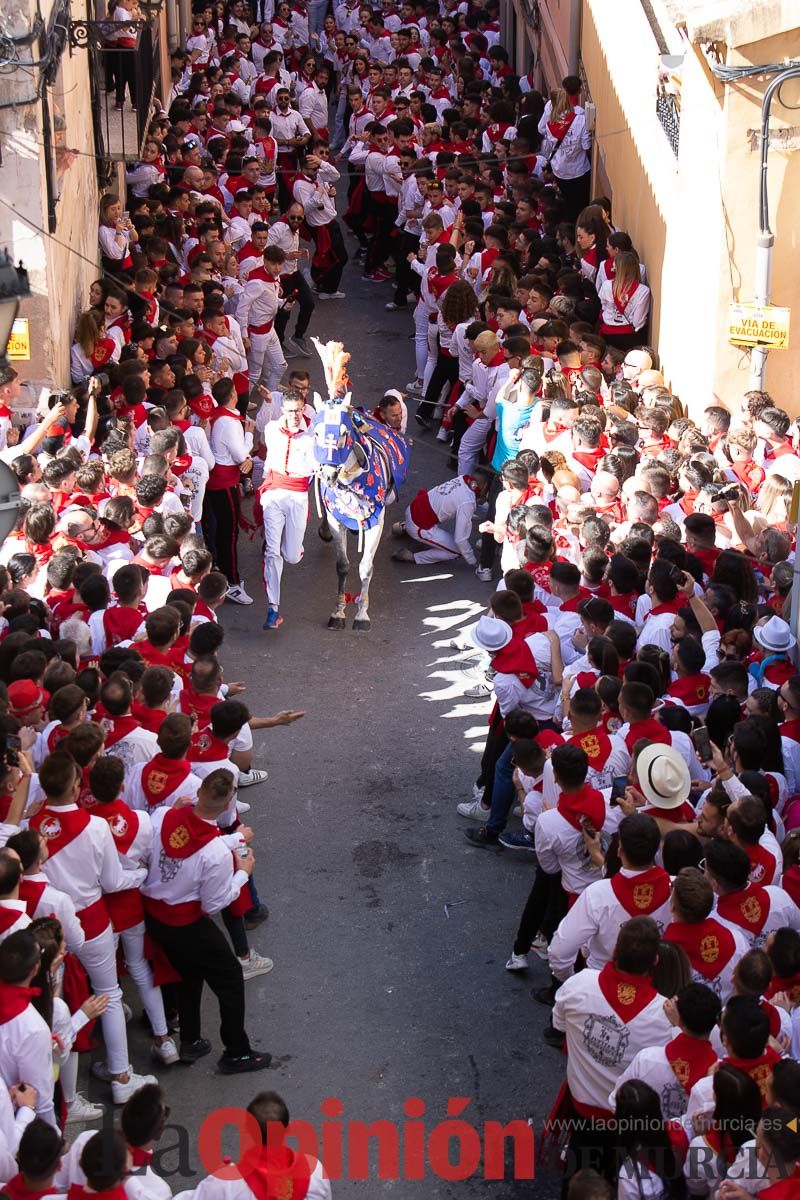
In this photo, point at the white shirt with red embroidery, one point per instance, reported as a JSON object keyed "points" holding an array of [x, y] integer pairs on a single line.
{"points": [[592, 925], [652, 1065], [135, 797], [600, 1046], [88, 866]]}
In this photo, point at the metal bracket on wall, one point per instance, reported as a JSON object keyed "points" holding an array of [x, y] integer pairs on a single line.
{"points": [[84, 35]]}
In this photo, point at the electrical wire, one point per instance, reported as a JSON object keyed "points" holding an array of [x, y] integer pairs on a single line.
{"points": [[733, 74]]}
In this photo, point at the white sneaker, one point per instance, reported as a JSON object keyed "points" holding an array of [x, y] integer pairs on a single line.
{"points": [[477, 791], [122, 1092], [331, 295], [416, 385], [479, 692], [255, 964], [248, 778], [539, 947], [483, 573], [242, 806], [443, 435], [238, 595], [81, 1109], [166, 1053], [473, 809], [517, 962]]}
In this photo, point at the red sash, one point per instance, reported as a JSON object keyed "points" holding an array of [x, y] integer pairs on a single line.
{"points": [[421, 509], [749, 909], [691, 689], [183, 833], [14, 1000], [162, 777], [118, 728], [123, 823], [595, 743], [641, 894], [120, 624], [31, 891], [586, 802], [276, 1173], [59, 828], [691, 1059], [628, 995], [651, 729], [708, 945], [758, 1069]]}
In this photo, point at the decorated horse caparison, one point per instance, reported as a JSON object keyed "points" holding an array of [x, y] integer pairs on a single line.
{"points": [[360, 464]]}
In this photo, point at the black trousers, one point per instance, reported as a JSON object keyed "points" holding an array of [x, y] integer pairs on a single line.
{"points": [[404, 277], [544, 908], [576, 194], [496, 742], [460, 427], [221, 529], [488, 544], [380, 246], [303, 305], [125, 73], [445, 372], [329, 280], [202, 954]]}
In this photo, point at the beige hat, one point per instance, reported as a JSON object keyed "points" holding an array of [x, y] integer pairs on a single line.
{"points": [[663, 776]]}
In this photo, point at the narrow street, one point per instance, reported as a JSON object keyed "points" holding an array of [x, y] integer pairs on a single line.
{"points": [[388, 930]]}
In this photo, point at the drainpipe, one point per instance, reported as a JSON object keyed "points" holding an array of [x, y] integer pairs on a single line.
{"points": [[574, 47], [765, 241]]}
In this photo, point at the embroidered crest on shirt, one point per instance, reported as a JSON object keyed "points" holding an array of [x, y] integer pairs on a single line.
{"points": [[626, 993], [606, 1040], [50, 828], [751, 910], [157, 782], [709, 948], [168, 867], [118, 825], [643, 895]]}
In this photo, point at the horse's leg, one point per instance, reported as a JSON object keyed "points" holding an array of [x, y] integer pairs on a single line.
{"points": [[324, 528], [339, 535], [372, 539]]}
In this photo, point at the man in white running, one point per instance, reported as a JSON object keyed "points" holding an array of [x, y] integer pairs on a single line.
{"points": [[454, 500], [288, 467]]}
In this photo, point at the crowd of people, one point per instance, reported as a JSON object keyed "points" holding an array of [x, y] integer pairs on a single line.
{"points": [[646, 717]]}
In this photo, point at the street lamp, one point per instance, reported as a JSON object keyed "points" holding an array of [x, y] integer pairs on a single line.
{"points": [[13, 285]]}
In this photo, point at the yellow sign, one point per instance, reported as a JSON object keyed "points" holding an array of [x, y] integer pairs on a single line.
{"points": [[751, 325], [19, 344]]}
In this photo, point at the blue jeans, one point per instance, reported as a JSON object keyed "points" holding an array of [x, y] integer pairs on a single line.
{"points": [[503, 791], [317, 11]]}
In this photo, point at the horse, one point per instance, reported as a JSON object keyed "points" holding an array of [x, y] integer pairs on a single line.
{"points": [[360, 463]]}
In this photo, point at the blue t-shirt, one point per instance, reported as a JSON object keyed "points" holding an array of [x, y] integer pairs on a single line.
{"points": [[510, 419]]}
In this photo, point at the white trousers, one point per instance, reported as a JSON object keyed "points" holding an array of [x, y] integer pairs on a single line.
{"points": [[265, 359], [285, 520], [442, 546], [422, 328], [99, 957], [140, 972], [472, 443]]}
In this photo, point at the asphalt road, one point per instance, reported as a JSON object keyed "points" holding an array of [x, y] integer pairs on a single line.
{"points": [[389, 931]]}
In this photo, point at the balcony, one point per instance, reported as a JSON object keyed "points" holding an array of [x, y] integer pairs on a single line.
{"points": [[668, 98], [120, 132]]}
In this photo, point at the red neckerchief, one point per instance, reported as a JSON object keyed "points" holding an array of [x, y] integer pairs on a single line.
{"points": [[595, 743], [678, 816], [516, 659], [791, 883], [122, 822], [150, 719], [784, 1189], [691, 689], [120, 624], [749, 908], [9, 917], [586, 802], [17, 1189], [707, 556], [589, 458], [59, 827], [78, 1192], [206, 747], [709, 945], [118, 728], [651, 729], [276, 1173], [572, 604], [31, 892], [691, 1059], [762, 863], [194, 704], [622, 299], [669, 606], [625, 604], [56, 735], [758, 1069], [532, 622], [627, 994], [641, 894], [783, 983], [749, 474], [14, 1000], [183, 833], [163, 776], [141, 1158]]}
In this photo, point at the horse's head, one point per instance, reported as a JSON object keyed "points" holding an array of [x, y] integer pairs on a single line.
{"points": [[337, 449]]}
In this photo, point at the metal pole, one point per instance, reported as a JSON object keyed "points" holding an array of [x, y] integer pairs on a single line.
{"points": [[765, 242]]}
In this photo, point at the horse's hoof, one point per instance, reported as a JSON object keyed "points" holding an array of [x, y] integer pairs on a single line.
{"points": [[325, 533], [336, 623], [361, 624]]}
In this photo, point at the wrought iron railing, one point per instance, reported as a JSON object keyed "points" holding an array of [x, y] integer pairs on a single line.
{"points": [[669, 116]]}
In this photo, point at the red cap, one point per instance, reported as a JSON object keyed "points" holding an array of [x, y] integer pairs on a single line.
{"points": [[24, 696], [202, 407]]}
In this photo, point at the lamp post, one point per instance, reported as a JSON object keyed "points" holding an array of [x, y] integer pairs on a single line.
{"points": [[13, 285]]}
